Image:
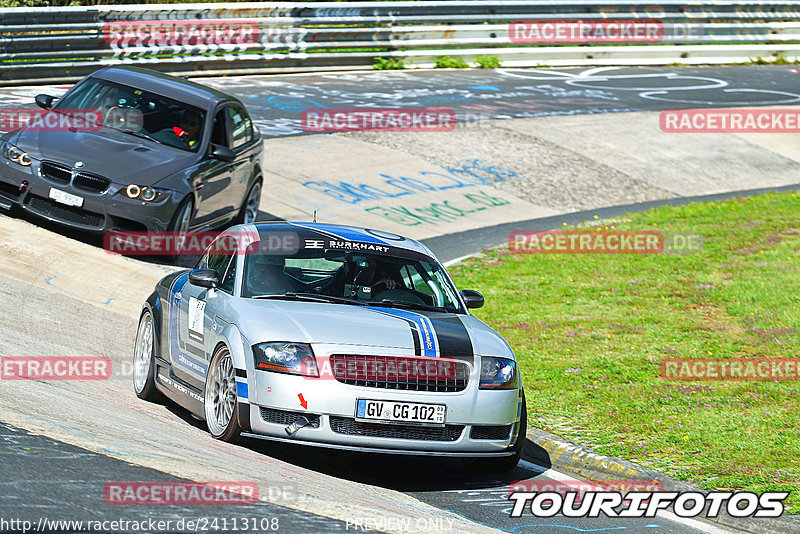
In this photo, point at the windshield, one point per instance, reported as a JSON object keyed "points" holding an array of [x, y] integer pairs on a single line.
{"points": [[139, 113], [358, 278]]}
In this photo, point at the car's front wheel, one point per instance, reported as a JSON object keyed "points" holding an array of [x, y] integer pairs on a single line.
{"points": [[179, 227], [143, 364], [249, 210], [221, 406]]}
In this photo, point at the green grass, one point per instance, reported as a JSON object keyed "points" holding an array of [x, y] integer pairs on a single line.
{"points": [[447, 62], [488, 62], [590, 330], [388, 63]]}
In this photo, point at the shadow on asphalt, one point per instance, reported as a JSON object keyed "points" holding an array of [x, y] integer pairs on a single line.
{"points": [[96, 239], [391, 471]]}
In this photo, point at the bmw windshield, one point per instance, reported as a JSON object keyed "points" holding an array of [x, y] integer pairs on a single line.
{"points": [[139, 113]]}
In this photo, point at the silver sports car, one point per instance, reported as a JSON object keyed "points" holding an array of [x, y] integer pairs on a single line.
{"points": [[332, 336]]}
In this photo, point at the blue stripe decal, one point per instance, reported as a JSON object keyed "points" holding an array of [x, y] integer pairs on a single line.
{"points": [[430, 345], [177, 356], [241, 390], [347, 234]]}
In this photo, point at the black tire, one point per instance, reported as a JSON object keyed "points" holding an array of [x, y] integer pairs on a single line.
{"points": [[144, 382], [222, 428], [179, 223], [243, 218], [504, 464]]}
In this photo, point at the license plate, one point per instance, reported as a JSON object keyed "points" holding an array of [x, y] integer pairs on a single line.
{"points": [[65, 198], [408, 412]]}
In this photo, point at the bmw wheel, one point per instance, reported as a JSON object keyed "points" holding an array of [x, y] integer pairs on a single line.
{"points": [[221, 406], [180, 226], [249, 211], [143, 364]]}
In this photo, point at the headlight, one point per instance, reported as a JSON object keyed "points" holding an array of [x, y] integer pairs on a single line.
{"points": [[498, 373], [146, 193], [282, 357], [12, 153]]}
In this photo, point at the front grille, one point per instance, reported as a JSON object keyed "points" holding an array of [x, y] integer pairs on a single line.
{"points": [[490, 432], [67, 214], [91, 182], [351, 427], [282, 417], [56, 172], [409, 374]]}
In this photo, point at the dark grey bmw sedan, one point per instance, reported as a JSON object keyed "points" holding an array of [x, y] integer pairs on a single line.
{"points": [[166, 154]]}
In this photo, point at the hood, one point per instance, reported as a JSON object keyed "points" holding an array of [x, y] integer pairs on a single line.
{"points": [[429, 334], [121, 158]]}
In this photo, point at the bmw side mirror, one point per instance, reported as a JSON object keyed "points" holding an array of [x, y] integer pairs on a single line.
{"points": [[222, 153], [207, 278], [472, 299], [45, 101]]}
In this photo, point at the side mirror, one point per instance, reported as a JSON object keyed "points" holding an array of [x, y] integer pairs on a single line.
{"points": [[222, 153], [45, 101], [472, 299], [204, 278]]}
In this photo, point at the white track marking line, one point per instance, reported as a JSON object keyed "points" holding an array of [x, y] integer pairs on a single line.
{"points": [[700, 526]]}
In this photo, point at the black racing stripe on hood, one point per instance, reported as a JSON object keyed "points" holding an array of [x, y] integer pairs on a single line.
{"points": [[452, 335]]}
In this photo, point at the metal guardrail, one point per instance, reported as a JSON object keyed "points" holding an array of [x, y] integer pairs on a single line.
{"points": [[63, 44]]}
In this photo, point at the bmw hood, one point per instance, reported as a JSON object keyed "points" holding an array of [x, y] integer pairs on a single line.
{"points": [[121, 158], [430, 334]]}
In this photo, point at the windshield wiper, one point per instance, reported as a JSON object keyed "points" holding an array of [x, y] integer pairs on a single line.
{"points": [[408, 305], [139, 134], [291, 295]]}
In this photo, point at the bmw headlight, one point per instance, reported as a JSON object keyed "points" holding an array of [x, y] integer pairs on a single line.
{"points": [[18, 156], [282, 357], [498, 373], [145, 192]]}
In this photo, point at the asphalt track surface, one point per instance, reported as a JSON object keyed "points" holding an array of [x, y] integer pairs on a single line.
{"points": [[44, 477], [278, 104]]}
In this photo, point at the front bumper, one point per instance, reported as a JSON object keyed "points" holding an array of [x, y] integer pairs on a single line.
{"points": [[478, 422], [101, 211]]}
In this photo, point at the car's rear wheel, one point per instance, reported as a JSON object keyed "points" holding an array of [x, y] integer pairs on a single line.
{"points": [[221, 406], [249, 210], [504, 464], [143, 364]]}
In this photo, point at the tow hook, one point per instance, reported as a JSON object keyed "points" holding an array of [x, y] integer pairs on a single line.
{"points": [[297, 425]]}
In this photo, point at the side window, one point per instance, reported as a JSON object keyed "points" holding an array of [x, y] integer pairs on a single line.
{"points": [[219, 262], [230, 276], [219, 133], [241, 126]]}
